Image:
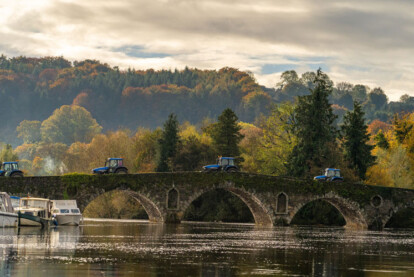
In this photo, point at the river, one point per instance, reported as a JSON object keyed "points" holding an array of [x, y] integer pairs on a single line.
{"points": [[139, 248]]}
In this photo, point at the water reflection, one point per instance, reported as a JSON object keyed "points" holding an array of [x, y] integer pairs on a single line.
{"points": [[203, 249]]}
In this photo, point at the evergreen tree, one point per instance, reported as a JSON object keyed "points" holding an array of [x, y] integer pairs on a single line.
{"points": [[168, 144], [314, 129], [226, 134], [381, 140], [356, 137]]}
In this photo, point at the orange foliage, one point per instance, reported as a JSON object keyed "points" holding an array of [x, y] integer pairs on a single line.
{"points": [[378, 125]]}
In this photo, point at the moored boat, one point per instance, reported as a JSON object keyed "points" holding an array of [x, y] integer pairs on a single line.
{"points": [[8, 218], [34, 211], [66, 212]]}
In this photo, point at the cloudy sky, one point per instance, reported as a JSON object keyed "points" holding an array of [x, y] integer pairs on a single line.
{"points": [[369, 42]]}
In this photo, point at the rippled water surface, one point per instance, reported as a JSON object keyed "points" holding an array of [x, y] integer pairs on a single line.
{"points": [[127, 248]]}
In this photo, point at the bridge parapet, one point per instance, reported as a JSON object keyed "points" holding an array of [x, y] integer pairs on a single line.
{"points": [[272, 200]]}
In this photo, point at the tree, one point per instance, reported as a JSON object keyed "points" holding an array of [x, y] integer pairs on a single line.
{"points": [[314, 129], [355, 141], [70, 124], [278, 139], [226, 134], [168, 144], [29, 131], [381, 140], [7, 154]]}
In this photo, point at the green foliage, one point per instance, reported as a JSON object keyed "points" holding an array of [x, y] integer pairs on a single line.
{"points": [[278, 139], [70, 124], [226, 134], [29, 131], [356, 138], [381, 140], [168, 144], [314, 129], [7, 154], [115, 204]]}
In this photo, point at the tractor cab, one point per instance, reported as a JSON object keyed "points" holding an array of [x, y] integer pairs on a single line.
{"points": [[223, 164], [112, 165], [331, 175], [10, 169]]}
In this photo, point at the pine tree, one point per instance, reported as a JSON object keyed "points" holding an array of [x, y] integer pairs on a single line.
{"points": [[381, 140], [356, 137], [314, 129], [226, 134], [168, 144]]}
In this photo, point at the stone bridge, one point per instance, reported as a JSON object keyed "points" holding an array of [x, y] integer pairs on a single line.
{"points": [[271, 200]]}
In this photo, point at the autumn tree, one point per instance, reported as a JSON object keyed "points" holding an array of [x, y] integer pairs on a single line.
{"points": [[355, 141], [7, 154], [168, 144], [278, 139], [70, 124], [314, 129], [29, 131]]}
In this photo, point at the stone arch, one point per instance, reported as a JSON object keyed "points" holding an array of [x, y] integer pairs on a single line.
{"points": [[282, 203], [173, 199], [259, 211], [349, 210], [153, 212]]}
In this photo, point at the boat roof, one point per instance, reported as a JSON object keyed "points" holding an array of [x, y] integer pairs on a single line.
{"points": [[334, 169], [115, 159], [34, 198], [10, 163], [64, 203]]}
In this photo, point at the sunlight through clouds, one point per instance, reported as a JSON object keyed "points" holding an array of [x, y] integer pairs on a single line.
{"points": [[370, 42]]}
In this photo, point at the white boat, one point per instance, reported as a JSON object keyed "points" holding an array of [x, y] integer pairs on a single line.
{"points": [[34, 211], [66, 212], [8, 218]]}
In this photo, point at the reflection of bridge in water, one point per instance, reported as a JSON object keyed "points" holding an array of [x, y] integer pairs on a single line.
{"points": [[271, 200]]}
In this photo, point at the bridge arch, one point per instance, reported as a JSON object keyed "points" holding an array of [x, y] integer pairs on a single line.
{"points": [[152, 210], [259, 211], [350, 211]]}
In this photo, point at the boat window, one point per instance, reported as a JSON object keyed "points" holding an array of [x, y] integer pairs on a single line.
{"points": [[64, 211], [75, 211], [2, 208]]}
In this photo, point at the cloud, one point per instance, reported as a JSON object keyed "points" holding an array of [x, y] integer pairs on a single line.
{"points": [[370, 42]]}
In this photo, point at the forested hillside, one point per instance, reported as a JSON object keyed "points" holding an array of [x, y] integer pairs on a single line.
{"points": [[32, 88]]}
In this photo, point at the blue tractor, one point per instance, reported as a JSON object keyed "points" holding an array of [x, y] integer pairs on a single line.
{"points": [[112, 165], [223, 164], [331, 175], [10, 169]]}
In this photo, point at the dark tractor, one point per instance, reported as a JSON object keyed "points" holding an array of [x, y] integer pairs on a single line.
{"points": [[331, 175], [223, 164], [112, 165], [10, 169]]}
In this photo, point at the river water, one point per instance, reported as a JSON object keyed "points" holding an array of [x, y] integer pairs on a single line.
{"points": [[139, 248]]}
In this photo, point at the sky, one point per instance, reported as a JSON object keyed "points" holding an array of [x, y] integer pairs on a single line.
{"points": [[368, 42]]}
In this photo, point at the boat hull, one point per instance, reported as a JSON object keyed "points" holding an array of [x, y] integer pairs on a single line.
{"points": [[72, 220], [29, 222], [9, 219]]}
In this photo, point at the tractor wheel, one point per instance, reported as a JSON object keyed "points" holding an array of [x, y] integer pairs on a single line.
{"points": [[231, 170], [337, 180], [17, 174], [121, 171]]}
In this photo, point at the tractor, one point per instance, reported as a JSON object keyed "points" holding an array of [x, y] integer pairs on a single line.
{"points": [[331, 175], [10, 169], [112, 165], [225, 164]]}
